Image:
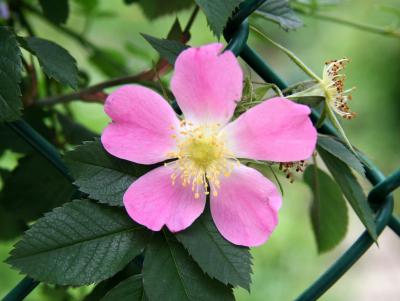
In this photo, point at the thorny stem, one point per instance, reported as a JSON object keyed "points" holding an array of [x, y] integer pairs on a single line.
{"points": [[95, 93]]}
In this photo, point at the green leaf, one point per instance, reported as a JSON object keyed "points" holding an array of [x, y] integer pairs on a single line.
{"points": [[157, 8], [176, 32], [216, 256], [259, 92], [10, 76], [36, 117], [56, 11], [55, 61], [101, 289], [110, 62], [351, 189], [33, 188], [130, 289], [168, 49], [103, 177], [311, 101], [218, 13], [339, 150], [280, 12], [328, 210], [74, 133], [78, 244], [170, 274]]}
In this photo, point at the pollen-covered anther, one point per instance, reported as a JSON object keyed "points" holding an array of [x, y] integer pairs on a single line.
{"points": [[288, 167], [202, 158], [333, 84]]}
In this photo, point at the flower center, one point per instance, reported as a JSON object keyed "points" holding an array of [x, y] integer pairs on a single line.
{"points": [[202, 158], [203, 151], [333, 85]]}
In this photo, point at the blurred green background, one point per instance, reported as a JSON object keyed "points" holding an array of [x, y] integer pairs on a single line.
{"points": [[288, 262]]}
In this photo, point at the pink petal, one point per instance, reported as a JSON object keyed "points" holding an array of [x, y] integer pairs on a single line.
{"points": [[141, 128], [153, 201], [276, 130], [246, 208], [207, 84]]}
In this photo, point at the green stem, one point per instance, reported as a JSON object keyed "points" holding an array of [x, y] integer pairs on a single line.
{"points": [[289, 53], [362, 26], [338, 126], [321, 119]]}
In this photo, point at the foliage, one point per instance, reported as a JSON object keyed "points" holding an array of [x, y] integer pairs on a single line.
{"points": [[78, 233], [328, 210]]}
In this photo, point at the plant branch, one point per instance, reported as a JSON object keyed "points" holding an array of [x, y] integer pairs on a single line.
{"points": [[95, 93], [387, 31]]}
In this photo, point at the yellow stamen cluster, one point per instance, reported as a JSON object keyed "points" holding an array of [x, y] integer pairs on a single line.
{"points": [[202, 158], [333, 84]]}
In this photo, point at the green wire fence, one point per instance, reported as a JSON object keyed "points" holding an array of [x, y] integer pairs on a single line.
{"points": [[380, 198]]}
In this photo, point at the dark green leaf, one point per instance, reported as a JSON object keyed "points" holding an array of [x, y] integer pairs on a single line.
{"points": [[55, 10], [339, 150], [103, 177], [157, 8], [105, 286], [33, 188], [176, 32], [168, 49], [78, 244], [216, 256], [110, 62], [10, 227], [328, 210], [351, 189], [56, 61], [10, 76], [218, 13], [74, 133], [36, 117], [280, 12], [170, 274], [130, 289]]}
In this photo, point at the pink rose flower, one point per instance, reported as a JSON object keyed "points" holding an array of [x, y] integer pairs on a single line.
{"points": [[203, 148]]}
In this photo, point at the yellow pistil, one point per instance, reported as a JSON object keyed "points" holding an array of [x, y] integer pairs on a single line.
{"points": [[202, 158]]}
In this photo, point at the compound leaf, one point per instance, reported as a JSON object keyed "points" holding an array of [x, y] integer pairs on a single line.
{"points": [[78, 244]]}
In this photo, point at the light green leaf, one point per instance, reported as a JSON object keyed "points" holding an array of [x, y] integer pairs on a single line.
{"points": [[216, 256], [311, 101], [351, 189], [10, 76], [56, 11], [328, 210], [218, 13], [339, 150], [103, 177], [170, 274], [78, 244], [168, 49], [157, 8], [55, 61], [280, 12], [130, 289]]}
